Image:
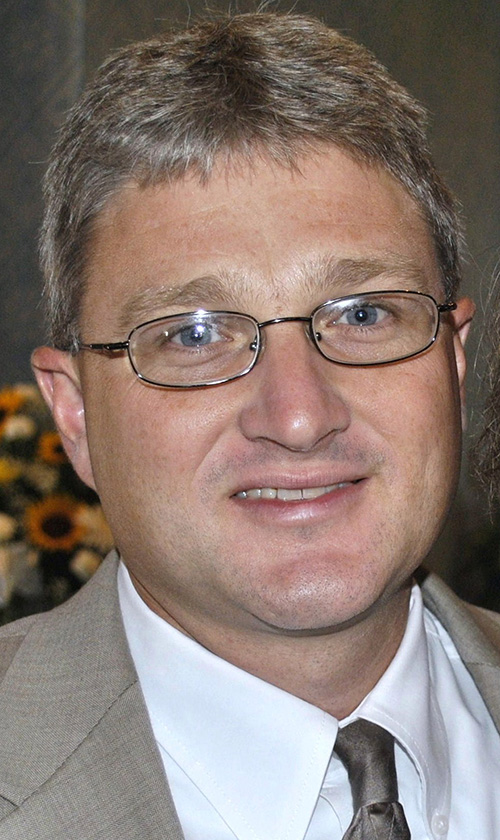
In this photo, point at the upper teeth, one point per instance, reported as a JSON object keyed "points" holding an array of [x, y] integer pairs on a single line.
{"points": [[288, 495]]}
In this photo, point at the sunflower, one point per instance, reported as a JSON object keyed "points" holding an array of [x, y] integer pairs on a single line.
{"points": [[50, 448], [52, 523]]}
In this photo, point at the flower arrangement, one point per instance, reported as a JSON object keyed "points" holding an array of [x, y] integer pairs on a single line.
{"points": [[53, 534]]}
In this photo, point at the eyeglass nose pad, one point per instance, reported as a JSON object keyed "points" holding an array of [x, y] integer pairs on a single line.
{"points": [[258, 343], [315, 337], [255, 347]]}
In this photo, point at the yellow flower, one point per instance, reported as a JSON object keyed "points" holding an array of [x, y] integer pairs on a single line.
{"points": [[41, 476], [28, 392], [9, 470], [11, 400], [52, 524], [50, 448], [95, 528], [85, 563], [8, 527], [19, 427]]}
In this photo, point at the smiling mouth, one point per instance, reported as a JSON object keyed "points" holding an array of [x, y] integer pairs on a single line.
{"points": [[285, 494]]}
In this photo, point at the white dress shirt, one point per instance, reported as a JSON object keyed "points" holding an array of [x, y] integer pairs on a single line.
{"points": [[246, 760]]}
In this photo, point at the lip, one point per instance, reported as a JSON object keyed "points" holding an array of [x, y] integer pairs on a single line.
{"points": [[347, 490]]}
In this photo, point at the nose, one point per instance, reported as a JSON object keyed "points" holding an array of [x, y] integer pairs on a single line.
{"points": [[293, 399]]}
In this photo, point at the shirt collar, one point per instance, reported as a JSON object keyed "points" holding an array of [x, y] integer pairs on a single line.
{"points": [[404, 702], [208, 714]]}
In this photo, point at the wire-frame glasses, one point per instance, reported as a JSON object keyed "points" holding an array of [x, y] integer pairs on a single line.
{"points": [[204, 347]]}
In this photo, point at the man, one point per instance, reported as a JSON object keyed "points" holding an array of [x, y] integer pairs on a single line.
{"points": [[258, 363]]}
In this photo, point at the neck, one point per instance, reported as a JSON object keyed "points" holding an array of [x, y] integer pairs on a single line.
{"points": [[333, 671]]}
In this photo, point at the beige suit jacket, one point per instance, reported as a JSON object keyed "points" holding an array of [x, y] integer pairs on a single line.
{"points": [[78, 760]]}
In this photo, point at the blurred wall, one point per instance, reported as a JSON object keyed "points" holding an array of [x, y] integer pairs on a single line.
{"points": [[42, 60], [445, 51]]}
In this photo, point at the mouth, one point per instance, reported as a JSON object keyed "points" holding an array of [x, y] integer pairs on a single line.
{"points": [[292, 494]]}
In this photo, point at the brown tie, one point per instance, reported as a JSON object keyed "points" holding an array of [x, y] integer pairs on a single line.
{"points": [[367, 751]]}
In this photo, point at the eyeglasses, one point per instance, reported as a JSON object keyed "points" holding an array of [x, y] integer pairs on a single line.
{"points": [[202, 348]]}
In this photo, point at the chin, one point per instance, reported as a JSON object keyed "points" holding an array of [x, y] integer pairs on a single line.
{"points": [[327, 602], [312, 616]]}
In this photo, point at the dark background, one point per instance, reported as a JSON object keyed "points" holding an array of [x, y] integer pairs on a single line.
{"points": [[445, 51]]}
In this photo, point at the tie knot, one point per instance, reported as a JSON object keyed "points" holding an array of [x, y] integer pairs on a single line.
{"points": [[367, 752]]}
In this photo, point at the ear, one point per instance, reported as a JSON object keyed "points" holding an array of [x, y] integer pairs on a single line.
{"points": [[462, 317], [58, 378]]}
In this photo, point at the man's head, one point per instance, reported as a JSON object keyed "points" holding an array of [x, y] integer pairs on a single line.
{"points": [[242, 86], [302, 495]]}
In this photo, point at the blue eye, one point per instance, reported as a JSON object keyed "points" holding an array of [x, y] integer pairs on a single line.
{"points": [[364, 316], [194, 335]]}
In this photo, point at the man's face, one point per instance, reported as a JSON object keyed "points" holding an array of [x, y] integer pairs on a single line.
{"points": [[170, 466]]}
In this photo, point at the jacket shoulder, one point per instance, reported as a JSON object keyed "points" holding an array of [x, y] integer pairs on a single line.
{"points": [[475, 630]]}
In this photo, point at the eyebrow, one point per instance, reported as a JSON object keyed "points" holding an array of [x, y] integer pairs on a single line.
{"points": [[349, 274], [329, 276], [207, 290]]}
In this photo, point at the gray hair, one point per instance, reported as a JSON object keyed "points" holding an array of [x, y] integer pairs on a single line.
{"points": [[242, 85]]}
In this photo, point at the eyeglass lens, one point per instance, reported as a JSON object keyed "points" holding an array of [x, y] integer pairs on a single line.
{"points": [[194, 349], [375, 329]]}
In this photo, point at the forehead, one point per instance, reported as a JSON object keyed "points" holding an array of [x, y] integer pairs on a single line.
{"points": [[256, 236]]}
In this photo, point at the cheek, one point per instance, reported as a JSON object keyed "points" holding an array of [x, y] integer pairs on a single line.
{"points": [[415, 412], [152, 440], [432, 422]]}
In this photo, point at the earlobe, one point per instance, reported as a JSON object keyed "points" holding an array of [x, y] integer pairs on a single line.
{"points": [[58, 379]]}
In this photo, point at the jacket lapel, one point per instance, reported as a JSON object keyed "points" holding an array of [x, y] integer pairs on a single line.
{"points": [[77, 753], [476, 634]]}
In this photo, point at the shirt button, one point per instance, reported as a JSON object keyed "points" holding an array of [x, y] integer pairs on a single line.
{"points": [[439, 825]]}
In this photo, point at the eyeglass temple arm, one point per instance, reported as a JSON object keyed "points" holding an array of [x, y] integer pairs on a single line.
{"points": [[110, 347]]}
